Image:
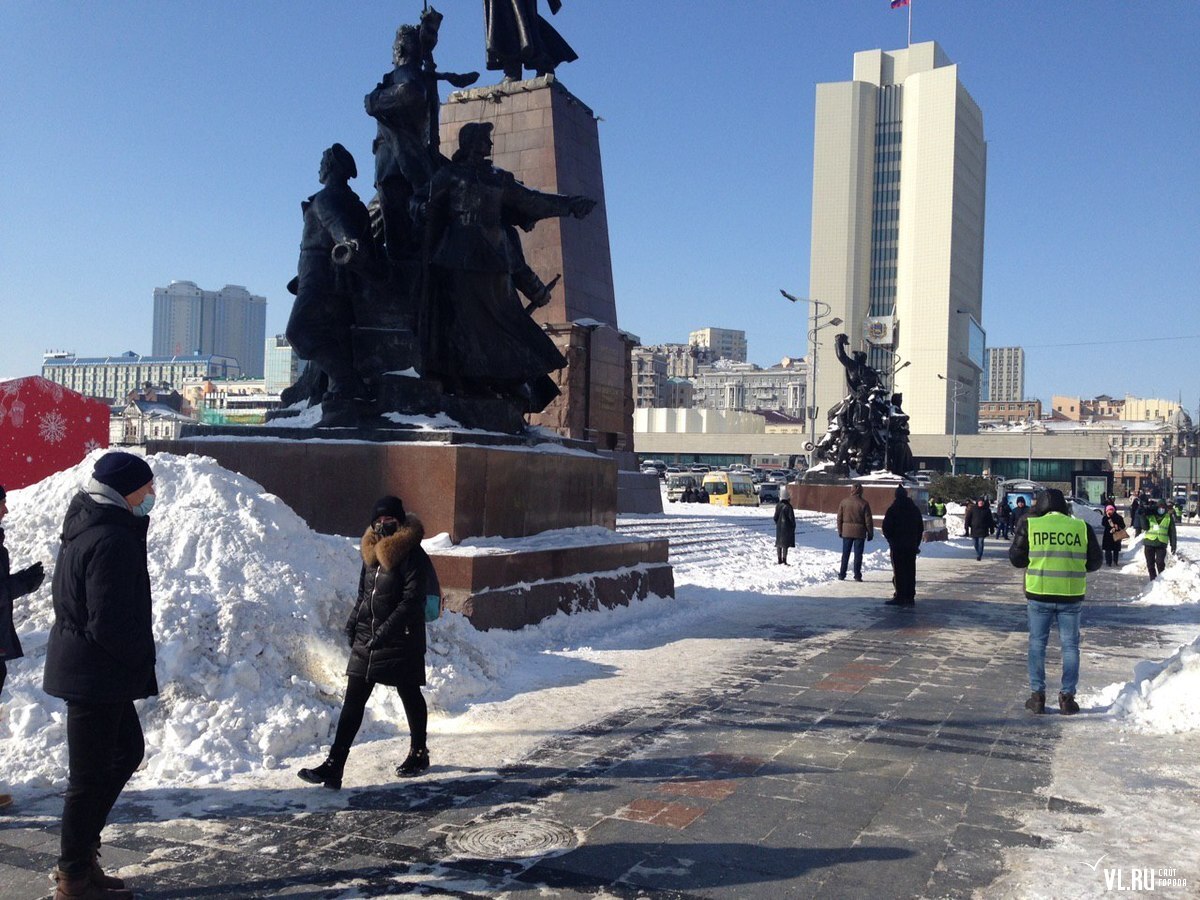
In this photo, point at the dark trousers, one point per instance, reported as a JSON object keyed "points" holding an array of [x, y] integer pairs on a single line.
{"points": [[781, 553], [848, 545], [1156, 558], [904, 574], [1112, 555], [3, 673], [104, 748], [358, 692]]}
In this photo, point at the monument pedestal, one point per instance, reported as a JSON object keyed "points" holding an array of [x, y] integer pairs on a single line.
{"points": [[550, 505]]}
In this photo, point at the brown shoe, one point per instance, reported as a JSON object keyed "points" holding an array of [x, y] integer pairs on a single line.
{"points": [[114, 886], [1066, 704], [80, 887], [5, 801]]}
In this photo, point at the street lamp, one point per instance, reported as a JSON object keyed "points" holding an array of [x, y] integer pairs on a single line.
{"points": [[958, 388], [817, 315]]}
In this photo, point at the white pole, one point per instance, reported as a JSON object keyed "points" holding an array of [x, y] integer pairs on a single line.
{"points": [[910, 6]]}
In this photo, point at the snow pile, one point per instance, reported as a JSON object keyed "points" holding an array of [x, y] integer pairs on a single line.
{"points": [[1162, 697], [1177, 585], [248, 609]]}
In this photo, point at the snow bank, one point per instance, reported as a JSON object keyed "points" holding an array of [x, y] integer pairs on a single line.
{"points": [[247, 604], [1163, 697]]}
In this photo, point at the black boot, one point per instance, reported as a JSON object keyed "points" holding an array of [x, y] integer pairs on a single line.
{"points": [[1036, 702], [328, 773], [416, 763], [1066, 704]]}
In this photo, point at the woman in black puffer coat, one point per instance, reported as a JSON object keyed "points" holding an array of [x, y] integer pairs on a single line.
{"points": [[386, 631]]}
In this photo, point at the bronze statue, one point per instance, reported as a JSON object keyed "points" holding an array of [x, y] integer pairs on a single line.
{"points": [[868, 431], [336, 256], [518, 38], [476, 336]]}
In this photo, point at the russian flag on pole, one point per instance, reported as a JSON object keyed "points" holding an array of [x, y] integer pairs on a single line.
{"points": [[896, 4]]}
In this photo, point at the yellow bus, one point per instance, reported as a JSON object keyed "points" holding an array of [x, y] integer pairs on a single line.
{"points": [[730, 489]]}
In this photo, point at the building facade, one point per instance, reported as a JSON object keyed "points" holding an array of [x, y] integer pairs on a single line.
{"points": [[281, 365], [649, 377], [1008, 412], [229, 322], [116, 378], [899, 172], [745, 386], [1005, 374], [721, 343]]}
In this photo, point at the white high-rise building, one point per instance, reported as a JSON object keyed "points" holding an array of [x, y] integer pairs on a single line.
{"points": [[724, 343], [899, 170], [228, 322], [1006, 374]]}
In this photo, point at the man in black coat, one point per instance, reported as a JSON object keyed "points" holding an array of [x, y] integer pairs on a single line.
{"points": [[100, 658], [979, 523], [785, 528], [12, 586], [903, 528]]}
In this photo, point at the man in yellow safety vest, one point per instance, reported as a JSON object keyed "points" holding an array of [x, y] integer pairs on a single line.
{"points": [[1160, 532], [1056, 551]]}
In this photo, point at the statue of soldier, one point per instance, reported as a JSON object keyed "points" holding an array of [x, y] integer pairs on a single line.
{"points": [[518, 38], [336, 254], [476, 336]]}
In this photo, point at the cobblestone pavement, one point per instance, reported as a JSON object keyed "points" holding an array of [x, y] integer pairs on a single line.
{"points": [[888, 761]]}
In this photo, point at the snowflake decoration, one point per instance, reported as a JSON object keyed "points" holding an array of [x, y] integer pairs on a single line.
{"points": [[89, 446], [52, 427]]}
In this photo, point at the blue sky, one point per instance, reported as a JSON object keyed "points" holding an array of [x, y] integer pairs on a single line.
{"points": [[143, 142]]}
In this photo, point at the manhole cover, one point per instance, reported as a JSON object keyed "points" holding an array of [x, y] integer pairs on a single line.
{"points": [[512, 839]]}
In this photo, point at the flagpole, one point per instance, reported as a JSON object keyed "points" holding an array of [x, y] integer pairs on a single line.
{"points": [[910, 6]]}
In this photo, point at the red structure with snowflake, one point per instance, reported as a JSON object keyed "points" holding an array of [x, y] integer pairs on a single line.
{"points": [[45, 428]]}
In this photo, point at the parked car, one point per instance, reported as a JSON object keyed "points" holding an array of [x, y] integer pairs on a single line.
{"points": [[729, 489], [777, 477], [699, 467], [769, 492]]}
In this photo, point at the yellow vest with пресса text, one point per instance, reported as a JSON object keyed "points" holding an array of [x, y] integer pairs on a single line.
{"points": [[1057, 556]]}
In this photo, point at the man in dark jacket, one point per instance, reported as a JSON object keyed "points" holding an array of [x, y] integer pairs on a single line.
{"points": [[12, 586], [100, 658], [903, 528], [1020, 511], [785, 528], [855, 524], [1056, 551], [979, 524]]}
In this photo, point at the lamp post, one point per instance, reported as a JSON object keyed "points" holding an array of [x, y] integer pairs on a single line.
{"points": [[817, 325], [1029, 460], [958, 387]]}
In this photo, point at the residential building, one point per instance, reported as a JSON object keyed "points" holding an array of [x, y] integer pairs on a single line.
{"points": [[139, 421], [115, 378], [679, 393], [1005, 374], [721, 343], [899, 171], [281, 365], [684, 360], [1008, 412], [649, 377], [745, 386], [1139, 409], [229, 322], [1085, 409]]}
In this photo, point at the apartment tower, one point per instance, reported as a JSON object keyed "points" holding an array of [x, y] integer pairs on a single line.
{"points": [[228, 322], [899, 169]]}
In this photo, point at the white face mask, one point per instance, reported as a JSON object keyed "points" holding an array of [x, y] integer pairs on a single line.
{"points": [[143, 509]]}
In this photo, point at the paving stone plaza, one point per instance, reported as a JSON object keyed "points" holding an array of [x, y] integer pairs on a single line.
{"points": [[893, 760]]}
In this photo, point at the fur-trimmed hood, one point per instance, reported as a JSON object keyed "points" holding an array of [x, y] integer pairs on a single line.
{"points": [[388, 552]]}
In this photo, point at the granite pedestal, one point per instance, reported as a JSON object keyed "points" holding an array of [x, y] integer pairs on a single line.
{"points": [[825, 494], [470, 486]]}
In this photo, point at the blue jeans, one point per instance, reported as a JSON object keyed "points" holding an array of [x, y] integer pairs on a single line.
{"points": [[978, 546], [1041, 614], [855, 544]]}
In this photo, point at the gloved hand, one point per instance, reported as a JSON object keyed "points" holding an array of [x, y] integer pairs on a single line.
{"points": [[871, 536], [30, 579]]}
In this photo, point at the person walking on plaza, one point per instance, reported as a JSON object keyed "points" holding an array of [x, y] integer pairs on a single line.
{"points": [[785, 528], [386, 630], [1113, 525], [903, 527], [979, 524], [937, 507], [1019, 512], [1003, 519], [854, 526], [1137, 514], [1056, 550], [1160, 533], [12, 586], [100, 659]]}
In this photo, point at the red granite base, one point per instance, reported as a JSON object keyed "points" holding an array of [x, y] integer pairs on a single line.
{"points": [[827, 496]]}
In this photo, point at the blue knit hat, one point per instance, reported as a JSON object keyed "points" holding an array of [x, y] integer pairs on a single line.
{"points": [[123, 472]]}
